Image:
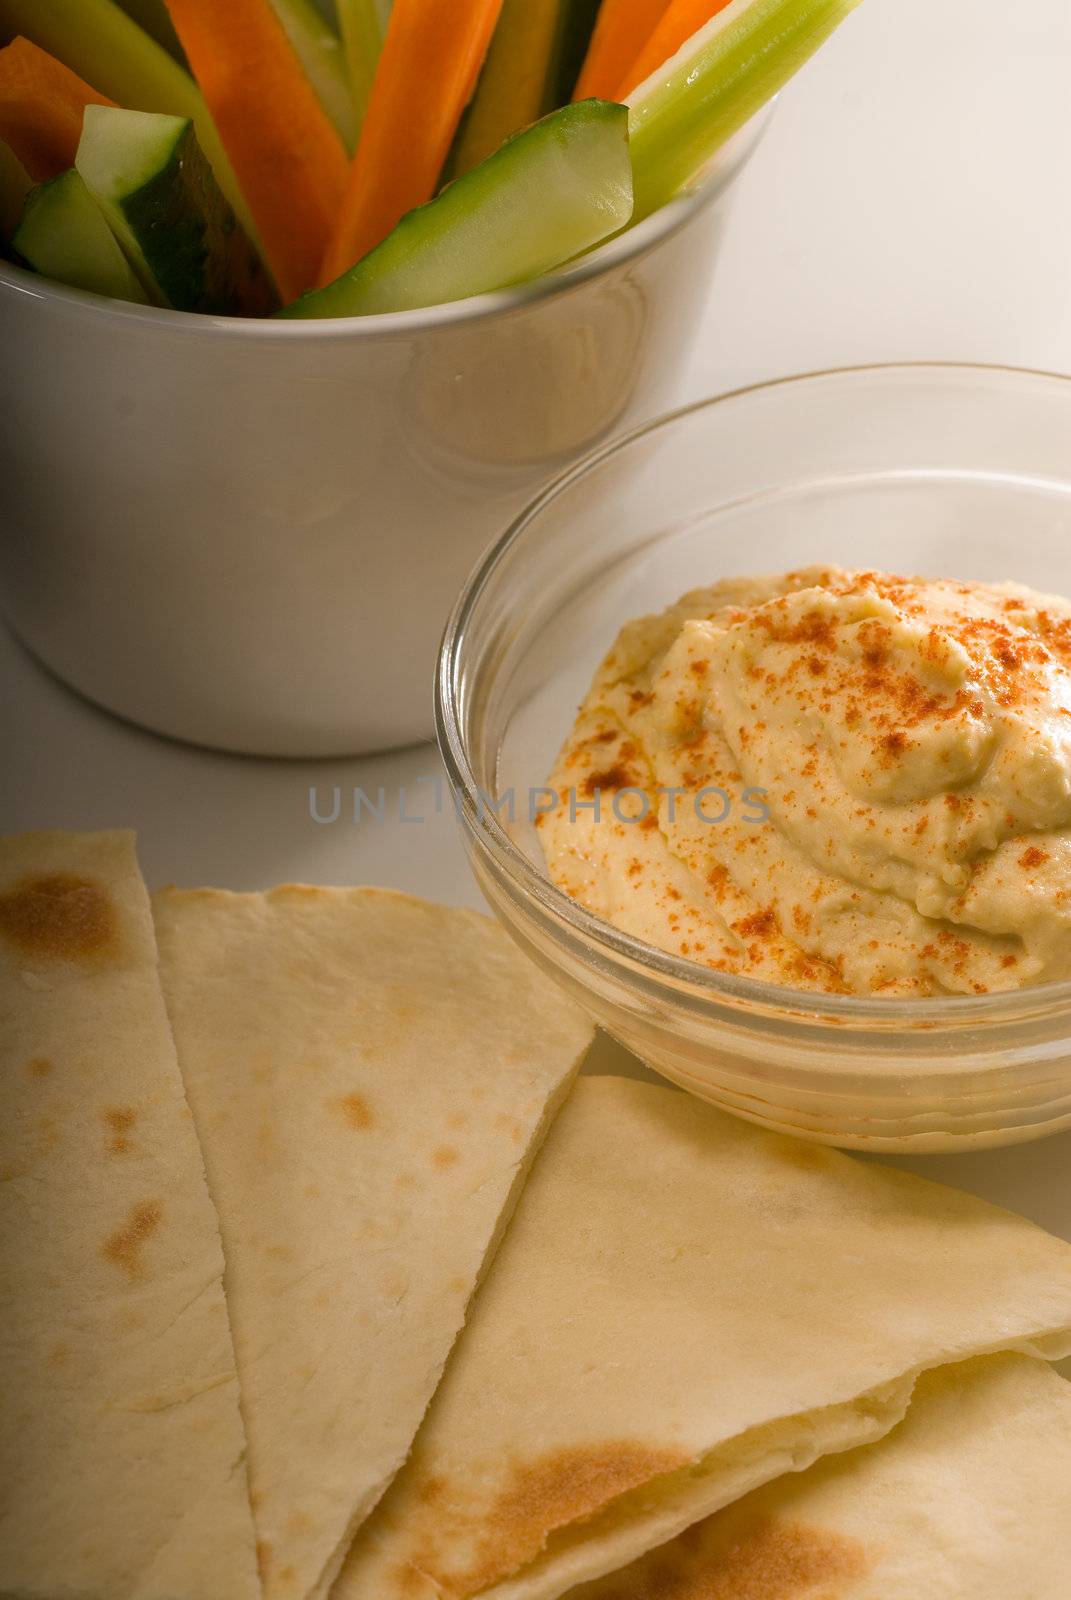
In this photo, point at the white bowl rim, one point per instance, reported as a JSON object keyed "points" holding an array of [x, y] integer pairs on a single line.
{"points": [[655, 966], [622, 248]]}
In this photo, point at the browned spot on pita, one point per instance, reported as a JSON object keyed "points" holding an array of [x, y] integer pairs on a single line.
{"points": [[124, 1248], [312, 1191], [287, 1575], [355, 1112], [768, 1561], [509, 1126], [58, 917], [405, 1180], [39, 1067], [59, 1355], [407, 1582], [457, 1120], [458, 1285], [298, 1522], [541, 1496], [119, 1120], [265, 1557], [808, 1157], [445, 1156]]}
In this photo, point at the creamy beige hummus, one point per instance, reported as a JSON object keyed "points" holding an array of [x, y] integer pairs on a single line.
{"points": [[839, 781]]}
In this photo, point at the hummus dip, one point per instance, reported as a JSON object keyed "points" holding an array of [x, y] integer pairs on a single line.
{"points": [[846, 782]]}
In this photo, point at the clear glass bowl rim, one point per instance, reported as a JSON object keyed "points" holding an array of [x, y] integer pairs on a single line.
{"points": [[665, 977]]}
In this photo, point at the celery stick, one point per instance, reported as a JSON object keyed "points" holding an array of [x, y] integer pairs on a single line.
{"points": [[319, 49], [549, 194], [363, 30], [516, 85], [530, 70], [101, 43], [15, 185], [154, 17], [688, 108]]}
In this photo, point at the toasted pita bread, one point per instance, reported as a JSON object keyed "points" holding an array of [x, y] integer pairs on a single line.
{"points": [[121, 1443], [968, 1499], [369, 1075], [684, 1309]]}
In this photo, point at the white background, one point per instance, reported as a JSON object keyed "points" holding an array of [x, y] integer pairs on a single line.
{"points": [[912, 200]]}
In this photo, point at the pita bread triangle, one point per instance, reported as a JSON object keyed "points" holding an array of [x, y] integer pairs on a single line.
{"points": [[122, 1453], [685, 1308], [369, 1075]]}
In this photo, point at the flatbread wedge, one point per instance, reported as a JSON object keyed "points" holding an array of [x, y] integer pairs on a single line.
{"points": [[369, 1075], [122, 1471], [968, 1499], [685, 1308]]}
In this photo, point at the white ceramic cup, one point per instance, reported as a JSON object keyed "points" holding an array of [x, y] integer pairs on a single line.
{"points": [[250, 534]]}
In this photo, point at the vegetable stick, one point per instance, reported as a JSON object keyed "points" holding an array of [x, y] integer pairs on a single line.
{"points": [[622, 29], [687, 109], [15, 185], [152, 16], [289, 158], [362, 40], [41, 107], [431, 59], [516, 85], [681, 20], [101, 44], [319, 49], [578, 25], [545, 196]]}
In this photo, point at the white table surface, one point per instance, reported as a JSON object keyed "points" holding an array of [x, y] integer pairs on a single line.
{"points": [[910, 202]]}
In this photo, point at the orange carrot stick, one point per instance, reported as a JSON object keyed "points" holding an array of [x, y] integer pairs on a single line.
{"points": [[41, 107], [431, 59], [289, 159], [622, 28], [681, 20]]}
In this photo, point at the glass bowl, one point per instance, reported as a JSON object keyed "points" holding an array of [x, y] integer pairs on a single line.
{"points": [[951, 471]]}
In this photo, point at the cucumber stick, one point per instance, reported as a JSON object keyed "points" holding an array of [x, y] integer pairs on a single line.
{"points": [[15, 185], [64, 236], [319, 49], [547, 195], [146, 172], [683, 112], [106, 48]]}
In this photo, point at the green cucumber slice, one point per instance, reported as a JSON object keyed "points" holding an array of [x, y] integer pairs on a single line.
{"points": [[532, 48], [146, 172], [547, 195], [15, 185], [319, 49], [681, 115], [63, 235], [106, 48]]}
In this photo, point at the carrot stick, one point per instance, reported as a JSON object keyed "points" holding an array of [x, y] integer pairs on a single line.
{"points": [[41, 106], [622, 28], [681, 20], [431, 59], [289, 159]]}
